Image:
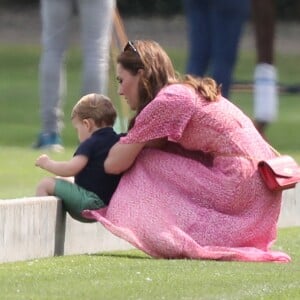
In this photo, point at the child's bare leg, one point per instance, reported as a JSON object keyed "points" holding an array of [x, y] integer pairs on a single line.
{"points": [[70, 179], [46, 187]]}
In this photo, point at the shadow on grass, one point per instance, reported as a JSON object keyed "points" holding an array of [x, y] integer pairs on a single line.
{"points": [[132, 254]]}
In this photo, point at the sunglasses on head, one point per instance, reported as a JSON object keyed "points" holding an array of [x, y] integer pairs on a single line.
{"points": [[130, 46]]}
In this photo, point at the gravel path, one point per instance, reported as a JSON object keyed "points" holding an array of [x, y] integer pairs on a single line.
{"points": [[22, 26]]}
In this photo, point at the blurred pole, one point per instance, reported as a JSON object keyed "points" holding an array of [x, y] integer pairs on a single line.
{"points": [[119, 40]]}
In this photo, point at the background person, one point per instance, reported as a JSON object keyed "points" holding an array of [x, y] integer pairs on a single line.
{"points": [[214, 31], [265, 74], [191, 188], [93, 118], [96, 19]]}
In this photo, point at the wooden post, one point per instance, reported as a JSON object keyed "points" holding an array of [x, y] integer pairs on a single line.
{"points": [[119, 40]]}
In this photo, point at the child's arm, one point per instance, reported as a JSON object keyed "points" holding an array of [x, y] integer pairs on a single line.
{"points": [[62, 168]]}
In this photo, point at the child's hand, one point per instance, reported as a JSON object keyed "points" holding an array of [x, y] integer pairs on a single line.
{"points": [[42, 161]]}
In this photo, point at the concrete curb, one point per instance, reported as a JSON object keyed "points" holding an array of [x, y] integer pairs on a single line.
{"points": [[36, 227], [290, 210]]}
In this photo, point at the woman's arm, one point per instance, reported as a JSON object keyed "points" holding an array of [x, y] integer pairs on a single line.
{"points": [[62, 168], [157, 143], [121, 157]]}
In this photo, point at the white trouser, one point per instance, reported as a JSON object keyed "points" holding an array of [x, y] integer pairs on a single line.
{"points": [[96, 19], [265, 93]]}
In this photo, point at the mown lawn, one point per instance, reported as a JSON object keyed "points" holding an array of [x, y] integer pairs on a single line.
{"points": [[133, 275], [130, 275], [19, 113]]}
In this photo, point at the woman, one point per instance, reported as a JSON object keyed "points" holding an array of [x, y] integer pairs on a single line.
{"points": [[191, 187]]}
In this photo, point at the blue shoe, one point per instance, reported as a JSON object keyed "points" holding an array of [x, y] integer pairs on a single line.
{"points": [[49, 141]]}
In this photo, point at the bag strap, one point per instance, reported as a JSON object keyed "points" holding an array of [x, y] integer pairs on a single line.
{"points": [[245, 156], [235, 155], [274, 150]]}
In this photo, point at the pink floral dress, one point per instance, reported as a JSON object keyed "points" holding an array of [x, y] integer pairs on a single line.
{"points": [[206, 201]]}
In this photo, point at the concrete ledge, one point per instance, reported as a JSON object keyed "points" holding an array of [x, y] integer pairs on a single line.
{"points": [[32, 228], [290, 210]]}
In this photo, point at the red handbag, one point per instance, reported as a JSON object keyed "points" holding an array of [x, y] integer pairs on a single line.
{"points": [[280, 173]]}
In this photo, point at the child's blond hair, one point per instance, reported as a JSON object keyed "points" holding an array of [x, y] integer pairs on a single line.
{"points": [[97, 107]]}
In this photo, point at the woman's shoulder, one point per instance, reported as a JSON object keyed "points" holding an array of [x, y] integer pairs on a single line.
{"points": [[178, 88], [177, 91]]}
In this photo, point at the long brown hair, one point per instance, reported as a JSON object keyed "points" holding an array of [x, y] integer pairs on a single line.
{"points": [[205, 86], [158, 72]]}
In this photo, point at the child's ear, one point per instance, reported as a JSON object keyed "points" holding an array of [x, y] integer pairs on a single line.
{"points": [[90, 124], [87, 123]]}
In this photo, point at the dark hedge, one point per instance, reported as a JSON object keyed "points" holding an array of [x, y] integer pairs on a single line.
{"points": [[286, 9]]}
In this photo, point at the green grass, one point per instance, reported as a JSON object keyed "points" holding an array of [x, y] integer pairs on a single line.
{"points": [[129, 275], [133, 275], [19, 114], [18, 175]]}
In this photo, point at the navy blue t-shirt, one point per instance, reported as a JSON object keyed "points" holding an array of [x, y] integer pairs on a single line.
{"points": [[93, 177]]}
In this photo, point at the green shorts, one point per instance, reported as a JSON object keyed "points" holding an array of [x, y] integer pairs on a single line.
{"points": [[76, 199]]}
